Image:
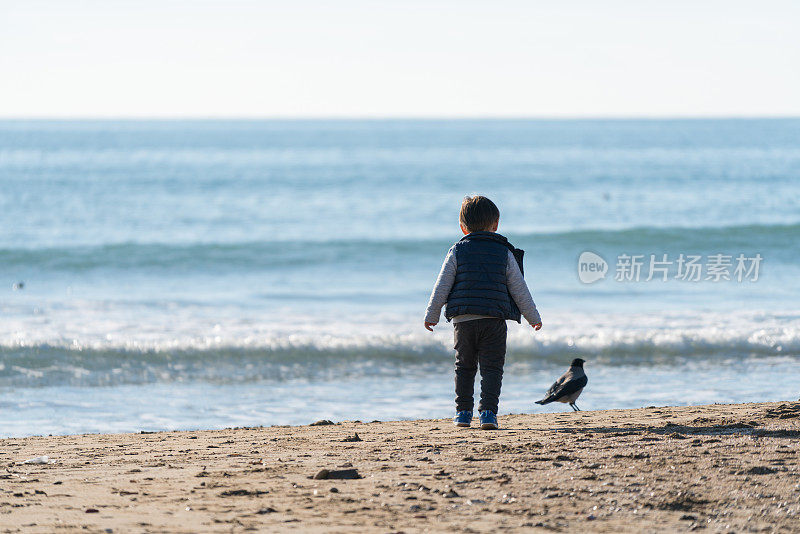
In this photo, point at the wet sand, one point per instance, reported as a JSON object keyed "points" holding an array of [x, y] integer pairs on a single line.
{"points": [[715, 468]]}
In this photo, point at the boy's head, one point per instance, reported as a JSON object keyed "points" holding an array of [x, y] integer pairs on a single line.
{"points": [[478, 214]]}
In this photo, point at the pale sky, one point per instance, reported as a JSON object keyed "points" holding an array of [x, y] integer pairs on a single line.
{"points": [[404, 58]]}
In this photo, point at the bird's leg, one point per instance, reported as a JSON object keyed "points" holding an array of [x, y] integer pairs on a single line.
{"points": [[574, 407]]}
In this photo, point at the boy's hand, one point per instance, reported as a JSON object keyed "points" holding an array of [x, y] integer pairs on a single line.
{"points": [[537, 326], [429, 326]]}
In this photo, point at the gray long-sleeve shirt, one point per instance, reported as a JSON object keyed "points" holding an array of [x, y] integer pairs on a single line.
{"points": [[517, 288]]}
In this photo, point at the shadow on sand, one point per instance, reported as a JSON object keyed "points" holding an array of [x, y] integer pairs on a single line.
{"points": [[701, 426]]}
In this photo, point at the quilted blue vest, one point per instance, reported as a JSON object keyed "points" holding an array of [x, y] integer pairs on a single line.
{"points": [[480, 286]]}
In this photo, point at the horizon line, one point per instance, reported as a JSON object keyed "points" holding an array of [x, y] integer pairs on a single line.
{"points": [[243, 118]]}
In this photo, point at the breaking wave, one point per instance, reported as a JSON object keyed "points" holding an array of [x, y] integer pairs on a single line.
{"points": [[777, 241], [311, 358]]}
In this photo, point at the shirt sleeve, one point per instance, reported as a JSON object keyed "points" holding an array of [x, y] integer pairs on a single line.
{"points": [[519, 291], [444, 283]]}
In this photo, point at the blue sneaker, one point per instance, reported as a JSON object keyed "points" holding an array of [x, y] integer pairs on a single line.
{"points": [[463, 418], [489, 420]]}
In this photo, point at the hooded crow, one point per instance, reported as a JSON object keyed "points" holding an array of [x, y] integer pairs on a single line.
{"points": [[568, 388]]}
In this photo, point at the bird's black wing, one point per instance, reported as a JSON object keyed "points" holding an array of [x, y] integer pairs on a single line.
{"points": [[555, 387], [564, 389], [563, 379]]}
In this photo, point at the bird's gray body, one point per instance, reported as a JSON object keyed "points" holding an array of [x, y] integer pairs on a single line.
{"points": [[568, 387]]}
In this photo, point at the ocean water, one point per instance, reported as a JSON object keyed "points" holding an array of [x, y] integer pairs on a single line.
{"points": [[206, 274]]}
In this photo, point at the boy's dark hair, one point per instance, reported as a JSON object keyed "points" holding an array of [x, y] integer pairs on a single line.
{"points": [[478, 213]]}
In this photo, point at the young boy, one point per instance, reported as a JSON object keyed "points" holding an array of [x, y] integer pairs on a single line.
{"points": [[481, 283]]}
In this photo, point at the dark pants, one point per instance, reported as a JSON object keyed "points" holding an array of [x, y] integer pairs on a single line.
{"points": [[480, 342]]}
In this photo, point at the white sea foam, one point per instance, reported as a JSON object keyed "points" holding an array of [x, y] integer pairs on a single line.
{"points": [[612, 338]]}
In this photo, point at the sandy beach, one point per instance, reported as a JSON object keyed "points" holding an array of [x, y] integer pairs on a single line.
{"points": [[717, 468]]}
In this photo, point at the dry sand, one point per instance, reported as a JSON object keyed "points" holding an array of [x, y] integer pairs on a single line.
{"points": [[727, 468]]}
